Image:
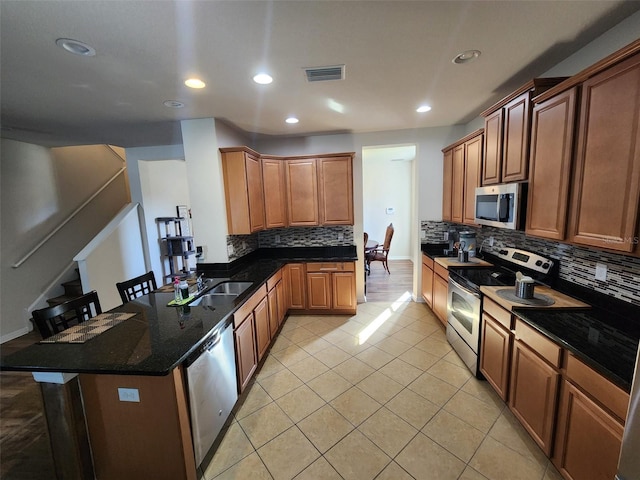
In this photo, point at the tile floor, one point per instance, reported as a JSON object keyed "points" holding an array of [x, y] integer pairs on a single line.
{"points": [[326, 404]]}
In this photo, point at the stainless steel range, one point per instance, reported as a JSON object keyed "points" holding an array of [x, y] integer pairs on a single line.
{"points": [[464, 304]]}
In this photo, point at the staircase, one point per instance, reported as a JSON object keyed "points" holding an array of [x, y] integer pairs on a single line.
{"points": [[72, 289]]}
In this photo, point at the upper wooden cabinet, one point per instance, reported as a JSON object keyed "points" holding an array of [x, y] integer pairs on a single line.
{"points": [[275, 198], [606, 179], [302, 192], [335, 187], [550, 168], [243, 188], [507, 131], [461, 175]]}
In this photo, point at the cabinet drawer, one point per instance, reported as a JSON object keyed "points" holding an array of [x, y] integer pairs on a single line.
{"points": [[441, 271], [331, 267], [274, 280], [427, 261], [248, 306], [544, 347], [498, 313], [610, 395]]}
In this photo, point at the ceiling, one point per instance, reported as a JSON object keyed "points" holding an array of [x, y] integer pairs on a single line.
{"points": [[397, 56]]}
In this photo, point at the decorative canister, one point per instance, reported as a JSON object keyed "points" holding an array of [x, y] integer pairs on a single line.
{"points": [[469, 239]]}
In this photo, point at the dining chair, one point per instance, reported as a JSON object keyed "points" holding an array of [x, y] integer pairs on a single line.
{"points": [[55, 319], [136, 287], [382, 254]]}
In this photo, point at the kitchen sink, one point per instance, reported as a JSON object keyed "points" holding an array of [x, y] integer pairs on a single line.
{"points": [[229, 288], [213, 299]]}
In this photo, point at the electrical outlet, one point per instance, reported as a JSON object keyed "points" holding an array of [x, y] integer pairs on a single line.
{"points": [[491, 240], [340, 236], [230, 250], [128, 394], [244, 245], [445, 236], [601, 272], [277, 238], [423, 234]]}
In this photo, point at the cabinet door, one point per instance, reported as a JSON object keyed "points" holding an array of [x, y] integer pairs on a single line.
{"points": [[335, 188], [440, 292], [472, 177], [495, 355], [246, 358], [296, 286], [492, 165], [533, 394], [272, 301], [302, 192], [550, 172], [319, 290], [275, 200], [343, 291], [244, 195], [457, 184], [515, 147], [427, 285], [447, 179], [282, 307], [604, 206], [263, 335], [255, 192]]}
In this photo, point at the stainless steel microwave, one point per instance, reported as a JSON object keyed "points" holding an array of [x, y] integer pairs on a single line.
{"points": [[499, 205]]}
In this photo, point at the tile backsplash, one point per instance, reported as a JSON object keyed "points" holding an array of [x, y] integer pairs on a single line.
{"points": [[334, 236], [577, 264]]}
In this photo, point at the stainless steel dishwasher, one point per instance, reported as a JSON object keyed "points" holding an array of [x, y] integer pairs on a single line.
{"points": [[212, 384]]}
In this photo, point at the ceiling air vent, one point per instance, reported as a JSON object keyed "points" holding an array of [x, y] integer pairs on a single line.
{"points": [[323, 74]]}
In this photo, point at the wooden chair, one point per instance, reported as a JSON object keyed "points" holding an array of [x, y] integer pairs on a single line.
{"points": [[136, 287], [381, 254], [52, 320]]}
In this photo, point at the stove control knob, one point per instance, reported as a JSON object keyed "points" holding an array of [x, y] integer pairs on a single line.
{"points": [[545, 265], [538, 263], [503, 252]]}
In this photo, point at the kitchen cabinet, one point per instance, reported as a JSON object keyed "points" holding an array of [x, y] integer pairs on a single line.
{"points": [[427, 280], [507, 131], [282, 305], [335, 188], [302, 192], [263, 331], [550, 170], [244, 194], [462, 170], [535, 378], [590, 424], [275, 302], [331, 287], [447, 179], [606, 177], [440, 292], [296, 286], [275, 199], [246, 356], [495, 347]]}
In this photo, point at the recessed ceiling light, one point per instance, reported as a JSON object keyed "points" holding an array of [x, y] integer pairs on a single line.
{"points": [[292, 120], [466, 56], [263, 79], [76, 47], [195, 83], [423, 108], [173, 104]]}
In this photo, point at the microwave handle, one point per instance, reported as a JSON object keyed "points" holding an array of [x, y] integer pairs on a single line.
{"points": [[502, 208]]}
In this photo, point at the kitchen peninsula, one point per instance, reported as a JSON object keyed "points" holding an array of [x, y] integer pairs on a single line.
{"points": [[147, 437]]}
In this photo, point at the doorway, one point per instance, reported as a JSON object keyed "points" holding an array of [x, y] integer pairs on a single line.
{"points": [[388, 197]]}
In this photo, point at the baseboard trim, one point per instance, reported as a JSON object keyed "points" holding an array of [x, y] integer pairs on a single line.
{"points": [[14, 334]]}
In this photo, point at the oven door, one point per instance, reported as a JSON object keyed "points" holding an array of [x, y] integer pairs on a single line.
{"points": [[463, 313]]}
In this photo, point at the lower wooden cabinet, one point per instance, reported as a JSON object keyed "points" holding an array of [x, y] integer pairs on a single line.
{"points": [[495, 354], [296, 285], [427, 280], [282, 305], [343, 291], [246, 356], [588, 438], [331, 287], [263, 333], [319, 290], [440, 295]]}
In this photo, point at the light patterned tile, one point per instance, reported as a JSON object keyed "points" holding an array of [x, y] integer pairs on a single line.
{"points": [[270, 366], [265, 424], [475, 412], [412, 408], [332, 356], [393, 471], [408, 336], [313, 345], [380, 387], [433, 389], [319, 470], [425, 460], [355, 405], [452, 374], [235, 446], [393, 346], [419, 358], [551, 473], [434, 347], [353, 370], [452, 357], [329, 385], [291, 355], [308, 369], [254, 399], [424, 328], [288, 454], [319, 327], [249, 467], [300, 403], [472, 474], [374, 357], [497, 462], [352, 345], [457, 436], [298, 334], [510, 432], [388, 431], [483, 391], [401, 371], [281, 343], [325, 427], [351, 328], [356, 457], [280, 383]]}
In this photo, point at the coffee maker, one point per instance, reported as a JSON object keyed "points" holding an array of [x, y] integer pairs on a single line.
{"points": [[452, 236]]}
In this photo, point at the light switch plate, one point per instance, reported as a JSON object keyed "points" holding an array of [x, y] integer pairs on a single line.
{"points": [[129, 394], [601, 272], [229, 250], [423, 234]]}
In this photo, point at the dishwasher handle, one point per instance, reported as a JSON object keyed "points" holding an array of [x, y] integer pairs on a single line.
{"points": [[213, 341]]}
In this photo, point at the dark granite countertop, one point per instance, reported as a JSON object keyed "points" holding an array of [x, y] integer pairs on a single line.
{"points": [[435, 250], [159, 338], [601, 339]]}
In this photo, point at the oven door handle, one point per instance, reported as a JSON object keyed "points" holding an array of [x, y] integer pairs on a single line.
{"points": [[464, 289]]}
